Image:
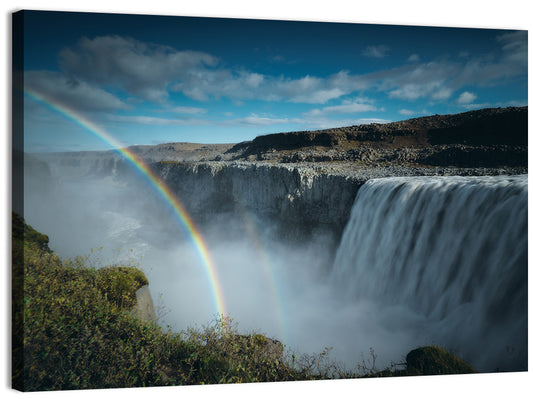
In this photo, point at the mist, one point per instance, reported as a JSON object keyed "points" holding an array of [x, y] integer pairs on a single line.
{"points": [[273, 284], [270, 286]]}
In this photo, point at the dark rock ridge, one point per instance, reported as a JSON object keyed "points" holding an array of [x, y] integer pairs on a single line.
{"points": [[493, 137], [458, 155], [487, 137]]}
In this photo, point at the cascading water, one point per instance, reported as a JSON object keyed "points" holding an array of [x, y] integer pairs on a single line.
{"points": [[423, 260], [453, 250]]}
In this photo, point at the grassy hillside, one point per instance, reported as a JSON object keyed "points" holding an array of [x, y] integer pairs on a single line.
{"points": [[73, 329]]}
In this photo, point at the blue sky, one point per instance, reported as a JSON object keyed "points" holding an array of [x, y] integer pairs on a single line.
{"points": [[150, 80]]}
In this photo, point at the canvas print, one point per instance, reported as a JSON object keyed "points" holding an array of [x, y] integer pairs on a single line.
{"points": [[212, 200]]}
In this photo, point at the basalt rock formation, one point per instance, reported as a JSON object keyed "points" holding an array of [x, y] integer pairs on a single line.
{"points": [[488, 137]]}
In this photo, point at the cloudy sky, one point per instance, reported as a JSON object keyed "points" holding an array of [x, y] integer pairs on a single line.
{"points": [[150, 80]]}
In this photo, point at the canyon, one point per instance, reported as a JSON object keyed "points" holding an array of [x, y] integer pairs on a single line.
{"points": [[386, 236]]}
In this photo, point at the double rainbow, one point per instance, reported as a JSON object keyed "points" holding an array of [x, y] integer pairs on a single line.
{"points": [[160, 187]]}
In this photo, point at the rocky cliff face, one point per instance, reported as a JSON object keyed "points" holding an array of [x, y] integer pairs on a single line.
{"points": [[144, 307], [82, 164], [298, 199]]}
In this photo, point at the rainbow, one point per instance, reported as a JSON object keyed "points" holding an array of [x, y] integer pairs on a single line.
{"points": [[250, 225], [161, 188]]}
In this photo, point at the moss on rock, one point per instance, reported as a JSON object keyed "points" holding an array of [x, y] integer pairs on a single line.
{"points": [[430, 360], [24, 232]]}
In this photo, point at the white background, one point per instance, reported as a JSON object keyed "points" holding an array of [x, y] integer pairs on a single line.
{"points": [[511, 14]]}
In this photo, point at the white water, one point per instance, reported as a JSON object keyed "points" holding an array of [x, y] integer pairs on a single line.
{"points": [[450, 250], [422, 261]]}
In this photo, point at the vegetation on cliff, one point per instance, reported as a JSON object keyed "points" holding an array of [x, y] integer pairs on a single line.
{"points": [[73, 329]]}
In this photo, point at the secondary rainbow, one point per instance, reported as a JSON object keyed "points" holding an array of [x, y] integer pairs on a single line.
{"points": [[180, 213], [263, 260]]}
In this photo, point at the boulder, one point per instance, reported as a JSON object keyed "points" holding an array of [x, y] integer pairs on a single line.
{"points": [[144, 308], [430, 360]]}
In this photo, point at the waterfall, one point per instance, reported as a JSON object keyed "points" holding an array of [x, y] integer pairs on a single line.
{"points": [[451, 249]]}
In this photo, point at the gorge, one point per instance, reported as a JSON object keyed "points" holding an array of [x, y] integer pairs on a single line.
{"points": [[320, 239]]}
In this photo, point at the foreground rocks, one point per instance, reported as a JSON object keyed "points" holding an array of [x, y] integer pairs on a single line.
{"points": [[433, 360], [427, 360], [144, 308]]}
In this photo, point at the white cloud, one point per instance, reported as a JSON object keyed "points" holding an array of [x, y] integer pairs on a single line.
{"points": [[151, 72], [243, 85], [327, 123], [513, 103], [379, 51], [277, 59], [155, 121], [188, 110], [309, 122], [409, 92], [256, 120], [78, 95], [438, 80], [350, 83], [254, 79], [347, 107], [476, 106], [515, 46], [371, 120], [296, 90], [442, 93], [138, 68], [466, 97], [406, 112], [320, 96], [414, 81], [195, 93]]}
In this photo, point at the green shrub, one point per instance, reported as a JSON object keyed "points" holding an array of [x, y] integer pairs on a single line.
{"points": [[435, 360], [76, 333], [72, 330], [120, 284], [223, 355], [23, 232]]}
